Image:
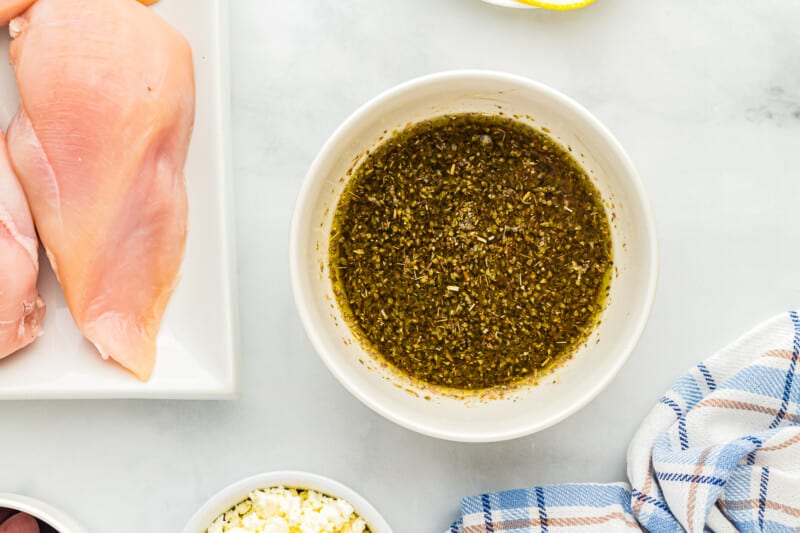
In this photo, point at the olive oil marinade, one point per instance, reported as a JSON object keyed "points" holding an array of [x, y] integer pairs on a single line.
{"points": [[470, 251]]}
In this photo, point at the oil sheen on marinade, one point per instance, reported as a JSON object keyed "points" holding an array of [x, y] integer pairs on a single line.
{"points": [[470, 251]]}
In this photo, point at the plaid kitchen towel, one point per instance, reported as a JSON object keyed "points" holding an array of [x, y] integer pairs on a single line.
{"points": [[720, 452]]}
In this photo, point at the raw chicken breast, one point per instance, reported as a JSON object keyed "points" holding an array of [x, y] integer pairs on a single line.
{"points": [[99, 144], [21, 308], [11, 8]]}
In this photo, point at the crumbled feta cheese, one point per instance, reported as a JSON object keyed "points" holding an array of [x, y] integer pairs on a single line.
{"points": [[280, 510]]}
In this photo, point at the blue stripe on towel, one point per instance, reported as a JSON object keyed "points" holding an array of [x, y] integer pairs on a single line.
{"points": [[707, 375], [487, 513], [669, 402], [542, 509], [762, 496], [646, 498], [693, 478], [682, 433]]}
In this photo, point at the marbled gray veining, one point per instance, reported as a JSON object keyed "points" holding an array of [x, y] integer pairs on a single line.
{"points": [[705, 97]]}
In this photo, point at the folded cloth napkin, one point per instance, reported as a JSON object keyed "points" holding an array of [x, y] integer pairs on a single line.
{"points": [[720, 452]]}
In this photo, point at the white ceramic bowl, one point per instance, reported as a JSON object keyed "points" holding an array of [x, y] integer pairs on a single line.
{"points": [[44, 512], [635, 255], [233, 494]]}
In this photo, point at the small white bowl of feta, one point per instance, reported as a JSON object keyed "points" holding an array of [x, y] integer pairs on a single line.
{"points": [[283, 502]]}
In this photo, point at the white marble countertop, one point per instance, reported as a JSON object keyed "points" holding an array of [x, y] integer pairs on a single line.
{"points": [[705, 96]]}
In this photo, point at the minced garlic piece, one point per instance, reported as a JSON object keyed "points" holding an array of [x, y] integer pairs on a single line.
{"points": [[280, 510]]}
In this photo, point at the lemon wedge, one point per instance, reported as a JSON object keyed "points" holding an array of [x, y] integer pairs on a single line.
{"points": [[560, 5]]}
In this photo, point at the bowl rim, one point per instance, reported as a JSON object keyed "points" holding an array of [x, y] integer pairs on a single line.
{"points": [[304, 203], [510, 3], [45, 512], [237, 491]]}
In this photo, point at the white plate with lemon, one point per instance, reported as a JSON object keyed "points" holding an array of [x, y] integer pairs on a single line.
{"points": [[562, 5]]}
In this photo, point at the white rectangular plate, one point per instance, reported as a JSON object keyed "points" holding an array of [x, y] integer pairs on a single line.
{"points": [[197, 356]]}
